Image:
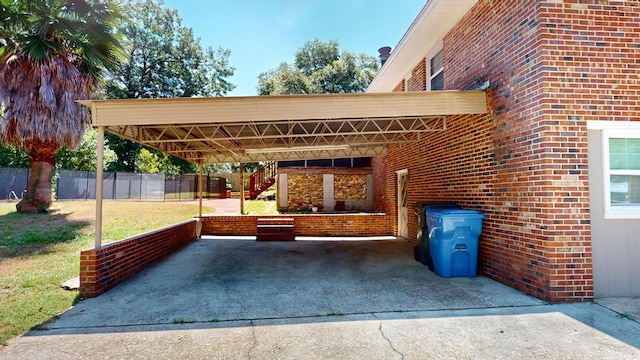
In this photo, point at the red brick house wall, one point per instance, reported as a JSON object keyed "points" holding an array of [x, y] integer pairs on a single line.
{"points": [[530, 241], [552, 66], [380, 196], [400, 87], [417, 81]]}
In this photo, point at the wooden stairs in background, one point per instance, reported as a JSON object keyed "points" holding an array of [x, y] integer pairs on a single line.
{"points": [[275, 229], [262, 179]]}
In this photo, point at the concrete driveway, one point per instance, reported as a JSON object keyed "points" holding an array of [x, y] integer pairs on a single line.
{"points": [[241, 299]]}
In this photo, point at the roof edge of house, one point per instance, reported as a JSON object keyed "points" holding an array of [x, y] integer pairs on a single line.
{"points": [[434, 21]]}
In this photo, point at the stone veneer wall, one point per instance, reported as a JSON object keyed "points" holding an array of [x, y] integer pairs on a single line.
{"points": [[300, 189], [350, 186], [304, 191]]}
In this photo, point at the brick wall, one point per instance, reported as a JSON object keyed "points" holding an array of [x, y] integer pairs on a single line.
{"points": [[400, 87], [104, 268], [229, 225], [552, 66], [507, 176], [590, 73], [380, 198], [418, 79], [356, 224]]}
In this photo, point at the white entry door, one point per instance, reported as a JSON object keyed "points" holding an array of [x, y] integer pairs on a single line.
{"points": [[403, 208]]}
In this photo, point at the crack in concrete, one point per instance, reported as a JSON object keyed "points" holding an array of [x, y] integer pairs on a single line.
{"points": [[255, 341], [386, 338], [49, 327]]}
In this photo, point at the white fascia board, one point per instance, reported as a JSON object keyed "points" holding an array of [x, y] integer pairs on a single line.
{"points": [[611, 125], [435, 20]]}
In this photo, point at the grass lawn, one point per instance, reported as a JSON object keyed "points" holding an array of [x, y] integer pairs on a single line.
{"points": [[260, 207], [39, 252]]}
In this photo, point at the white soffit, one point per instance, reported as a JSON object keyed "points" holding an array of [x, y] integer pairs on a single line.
{"points": [[435, 20]]}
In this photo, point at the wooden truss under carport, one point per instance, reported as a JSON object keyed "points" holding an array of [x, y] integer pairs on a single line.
{"points": [[271, 128]]}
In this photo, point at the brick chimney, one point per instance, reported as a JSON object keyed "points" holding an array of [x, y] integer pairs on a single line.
{"points": [[385, 52]]}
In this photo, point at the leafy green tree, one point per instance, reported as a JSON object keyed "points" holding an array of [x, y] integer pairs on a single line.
{"points": [[126, 151], [286, 79], [315, 55], [52, 52], [231, 167], [177, 165], [165, 59], [147, 162], [320, 67], [152, 161], [11, 156], [218, 168], [127, 158], [84, 157]]}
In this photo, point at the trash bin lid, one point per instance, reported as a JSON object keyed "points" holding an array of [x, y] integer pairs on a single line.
{"points": [[422, 207], [452, 212], [439, 205]]}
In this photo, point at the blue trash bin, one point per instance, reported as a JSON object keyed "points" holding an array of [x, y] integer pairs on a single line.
{"points": [[453, 241], [422, 253]]}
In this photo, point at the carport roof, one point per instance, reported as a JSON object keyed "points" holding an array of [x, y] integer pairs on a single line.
{"points": [[270, 128]]}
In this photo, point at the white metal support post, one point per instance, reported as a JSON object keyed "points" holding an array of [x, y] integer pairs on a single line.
{"points": [[241, 189], [200, 186], [99, 184]]}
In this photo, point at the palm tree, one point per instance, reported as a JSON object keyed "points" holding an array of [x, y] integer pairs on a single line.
{"points": [[52, 53]]}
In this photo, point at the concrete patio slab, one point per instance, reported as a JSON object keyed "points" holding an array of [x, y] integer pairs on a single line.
{"points": [[222, 280], [625, 306], [241, 299]]}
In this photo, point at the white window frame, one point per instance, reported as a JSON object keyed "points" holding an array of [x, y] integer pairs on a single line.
{"points": [[428, 74], [615, 212]]}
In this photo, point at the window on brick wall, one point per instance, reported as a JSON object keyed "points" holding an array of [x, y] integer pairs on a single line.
{"points": [[621, 160], [436, 72]]}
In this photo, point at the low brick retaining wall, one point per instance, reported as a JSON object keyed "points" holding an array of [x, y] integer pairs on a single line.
{"points": [[349, 224], [101, 269]]}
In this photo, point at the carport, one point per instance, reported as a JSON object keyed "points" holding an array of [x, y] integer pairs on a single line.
{"points": [[241, 299], [252, 129]]}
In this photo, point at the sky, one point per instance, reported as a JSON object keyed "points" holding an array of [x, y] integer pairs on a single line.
{"points": [[261, 34]]}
